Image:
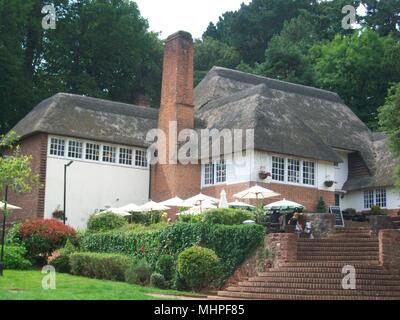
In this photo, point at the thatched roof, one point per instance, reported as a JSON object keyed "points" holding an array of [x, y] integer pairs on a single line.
{"points": [[90, 118], [287, 118]]}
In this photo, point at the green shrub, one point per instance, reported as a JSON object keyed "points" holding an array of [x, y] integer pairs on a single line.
{"points": [[166, 266], [227, 216], [13, 236], [190, 218], [141, 227], [321, 206], [198, 267], [105, 222], [139, 273], [14, 258], [351, 211], [233, 244], [376, 210], [62, 260], [146, 218], [100, 265], [158, 281]]}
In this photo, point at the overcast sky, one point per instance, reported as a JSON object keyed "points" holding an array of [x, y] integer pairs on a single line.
{"points": [[169, 16]]}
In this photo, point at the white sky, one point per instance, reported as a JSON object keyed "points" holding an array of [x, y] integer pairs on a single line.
{"points": [[169, 16]]}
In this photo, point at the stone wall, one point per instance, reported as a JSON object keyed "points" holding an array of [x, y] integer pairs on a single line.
{"points": [[383, 223], [389, 249]]}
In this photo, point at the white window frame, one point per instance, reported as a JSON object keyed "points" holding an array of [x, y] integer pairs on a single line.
{"points": [[57, 145], [310, 174], [54, 146], [217, 175], [125, 156], [369, 199], [141, 158], [75, 149], [382, 198], [278, 161], [94, 147], [112, 156]]}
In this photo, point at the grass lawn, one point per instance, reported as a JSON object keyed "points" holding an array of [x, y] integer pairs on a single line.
{"points": [[27, 285]]}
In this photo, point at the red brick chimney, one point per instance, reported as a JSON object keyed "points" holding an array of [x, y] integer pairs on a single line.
{"points": [[170, 180]]}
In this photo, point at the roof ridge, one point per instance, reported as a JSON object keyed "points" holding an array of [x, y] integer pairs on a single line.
{"points": [[277, 84]]}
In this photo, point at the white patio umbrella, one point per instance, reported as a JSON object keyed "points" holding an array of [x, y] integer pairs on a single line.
{"points": [[115, 211], [284, 204], [199, 199], [175, 202], [238, 204], [223, 202], [257, 193], [9, 206], [195, 210], [153, 206], [131, 208]]}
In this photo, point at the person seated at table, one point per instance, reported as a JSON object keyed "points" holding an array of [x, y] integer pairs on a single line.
{"points": [[275, 217]]}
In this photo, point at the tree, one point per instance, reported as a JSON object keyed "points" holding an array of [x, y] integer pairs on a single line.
{"points": [[321, 205], [389, 120], [15, 174], [360, 68], [287, 56], [383, 16], [210, 52], [100, 48]]}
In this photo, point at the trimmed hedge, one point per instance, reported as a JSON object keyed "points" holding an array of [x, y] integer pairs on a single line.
{"points": [[100, 265], [232, 244], [227, 216]]}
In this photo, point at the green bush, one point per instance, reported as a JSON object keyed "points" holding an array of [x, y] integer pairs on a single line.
{"points": [[158, 281], [376, 210], [62, 261], [13, 236], [233, 244], [139, 273], [14, 258], [190, 218], [321, 206], [105, 222], [100, 265], [227, 216], [146, 218], [166, 266], [198, 267]]}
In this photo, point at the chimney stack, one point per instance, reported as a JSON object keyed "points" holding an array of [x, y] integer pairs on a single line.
{"points": [[170, 180]]}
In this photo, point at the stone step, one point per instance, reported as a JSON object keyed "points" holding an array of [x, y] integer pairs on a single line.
{"points": [[345, 242], [316, 277], [327, 264], [343, 252], [337, 248], [346, 259], [370, 280], [226, 295], [316, 270], [334, 285], [324, 292]]}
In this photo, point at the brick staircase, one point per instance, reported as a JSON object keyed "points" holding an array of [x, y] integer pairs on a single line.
{"points": [[317, 273]]}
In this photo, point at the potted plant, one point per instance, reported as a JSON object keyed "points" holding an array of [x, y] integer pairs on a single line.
{"points": [[329, 183], [263, 174]]}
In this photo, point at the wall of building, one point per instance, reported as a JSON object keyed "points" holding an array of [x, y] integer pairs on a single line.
{"points": [[245, 174], [32, 203], [355, 200], [92, 186], [341, 170]]}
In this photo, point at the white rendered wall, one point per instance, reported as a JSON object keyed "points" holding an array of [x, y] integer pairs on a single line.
{"points": [[248, 167], [92, 186], [342, 170], [355, 200]]}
